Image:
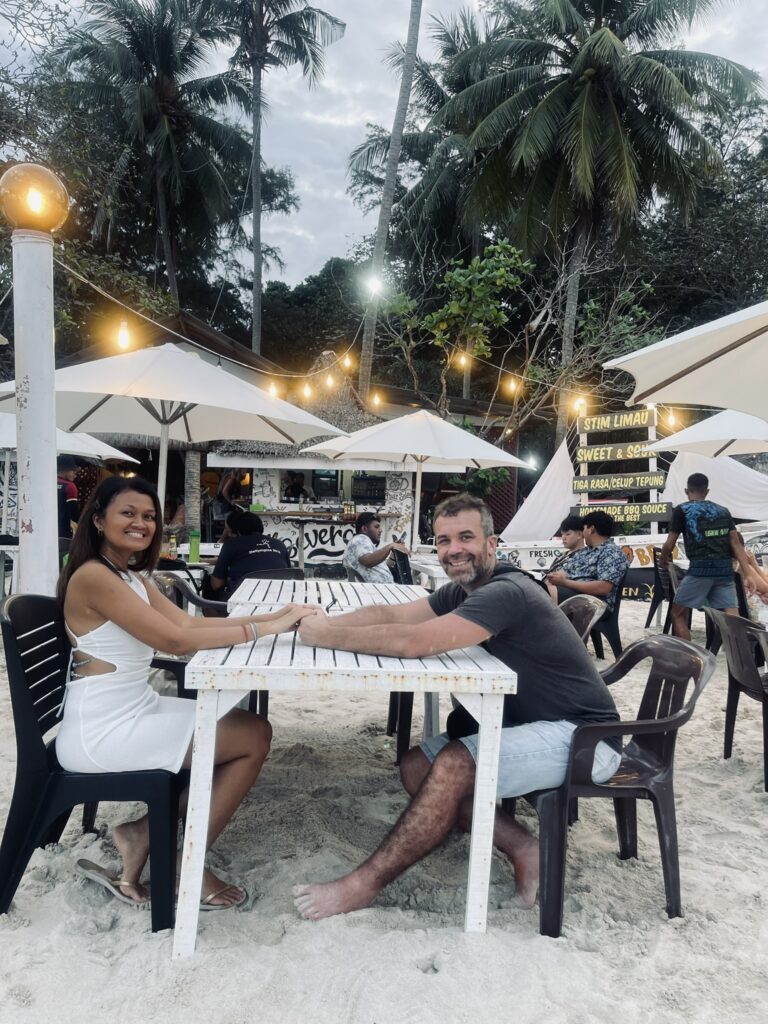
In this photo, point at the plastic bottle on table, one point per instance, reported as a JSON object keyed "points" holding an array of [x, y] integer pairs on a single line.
{"points": [[194, 545]]}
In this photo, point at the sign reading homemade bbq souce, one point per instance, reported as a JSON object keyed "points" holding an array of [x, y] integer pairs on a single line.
{"points": [[622, 493]]}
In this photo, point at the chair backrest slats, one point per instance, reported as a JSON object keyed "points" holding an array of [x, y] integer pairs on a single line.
{"points": [[741, 639], [583, 611]]}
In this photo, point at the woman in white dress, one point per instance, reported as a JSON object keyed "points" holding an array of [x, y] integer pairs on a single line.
{"points": [[112, 718]]}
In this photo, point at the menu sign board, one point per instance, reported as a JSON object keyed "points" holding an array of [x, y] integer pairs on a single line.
{"points": [[644, 512], [628, 420], [648, 481], [612, 452]]}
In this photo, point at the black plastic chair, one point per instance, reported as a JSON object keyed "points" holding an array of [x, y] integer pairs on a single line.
{"points": [[662, 591], [714, 640], [178, 589], [401, 568], [353, 576], [583, 611], [178, 565], [289, 573], [37, 654], [608, 626], [645, 772], [743, 641]]}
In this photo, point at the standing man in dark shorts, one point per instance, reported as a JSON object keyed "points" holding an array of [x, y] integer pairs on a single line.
{"points": [[711, 543], [558, 687], [66, 495]]}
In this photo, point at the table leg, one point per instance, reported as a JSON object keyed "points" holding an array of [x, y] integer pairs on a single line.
{"points": [[483, 813], [196, 832], [431, 715], [301, 546]]}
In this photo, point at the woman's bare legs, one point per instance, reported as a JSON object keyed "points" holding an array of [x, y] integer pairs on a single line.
{"points": [[242, 744]]}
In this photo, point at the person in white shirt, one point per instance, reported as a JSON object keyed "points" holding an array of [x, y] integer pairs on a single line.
{"points": [[363, 554]]}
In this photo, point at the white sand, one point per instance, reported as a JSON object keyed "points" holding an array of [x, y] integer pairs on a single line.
{"points": [[329, 791]]}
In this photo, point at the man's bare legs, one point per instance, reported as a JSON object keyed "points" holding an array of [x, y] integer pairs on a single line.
{"points": [[680, 620], [242, 744], [509, 836], [423, 825]]}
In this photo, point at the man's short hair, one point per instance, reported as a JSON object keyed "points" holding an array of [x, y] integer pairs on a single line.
{"points": [[365, 519], [697, 482], [465, 503], [232, 519], [572, 523], [601, 521], [66, 462], [248, 523]]}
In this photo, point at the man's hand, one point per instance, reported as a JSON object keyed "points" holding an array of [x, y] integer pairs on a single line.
{"points": [[663, 559], [288, 618], [314, 630], [396, 546], [558, 579]]}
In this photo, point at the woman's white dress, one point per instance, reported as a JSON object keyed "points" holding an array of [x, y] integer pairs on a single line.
{"points": [[115, 721]]}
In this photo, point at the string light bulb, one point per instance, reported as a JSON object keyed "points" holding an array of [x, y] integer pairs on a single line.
{"points": [[511, 385], [124, 335], [671, 418], [307, 391], [329, 381], [273, 389], [376, 400], [347, 362], [580, 403], [462, 360]]}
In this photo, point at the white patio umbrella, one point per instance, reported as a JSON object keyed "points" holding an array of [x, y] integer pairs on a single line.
{"points": [[417, 442], [168, 393], [66, 444], [726, 433], [721, 364]]}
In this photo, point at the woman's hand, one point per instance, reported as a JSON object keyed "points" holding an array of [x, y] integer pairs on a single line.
{"points": [[288, 618], [281, 612]]}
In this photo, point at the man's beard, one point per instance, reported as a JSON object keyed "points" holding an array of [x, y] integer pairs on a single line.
{"points": [[476, 569]]}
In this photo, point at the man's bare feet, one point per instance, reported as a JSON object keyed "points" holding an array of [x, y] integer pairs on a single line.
{"points": [[324, 899], [526, 864]]}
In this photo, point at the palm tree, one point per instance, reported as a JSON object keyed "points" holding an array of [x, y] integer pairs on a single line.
{"points": [[139, 59], [388, 194], [274, 34], [589, 121]]}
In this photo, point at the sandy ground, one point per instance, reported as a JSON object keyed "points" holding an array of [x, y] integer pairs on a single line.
{"points": [[328, 793]]}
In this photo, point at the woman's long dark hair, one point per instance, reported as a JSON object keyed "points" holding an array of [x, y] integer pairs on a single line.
{"points": [[87, 542]]}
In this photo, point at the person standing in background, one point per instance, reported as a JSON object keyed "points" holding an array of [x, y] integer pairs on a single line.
{"points": [[67, 495]]}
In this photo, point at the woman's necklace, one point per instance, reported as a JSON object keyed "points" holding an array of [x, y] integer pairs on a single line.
{"points": [[115, 568]]}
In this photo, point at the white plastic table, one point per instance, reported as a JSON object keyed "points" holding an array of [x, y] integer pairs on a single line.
{"points": [[322, 592], [429, 566], [284, 663]]}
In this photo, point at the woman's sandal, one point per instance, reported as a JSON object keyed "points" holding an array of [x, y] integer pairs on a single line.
{"points": [[206, 904], [114, 886]]}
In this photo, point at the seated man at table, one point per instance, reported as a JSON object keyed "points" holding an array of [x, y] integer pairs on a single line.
{"points": [[572, 538], [598, 568], [558, 687], [247, 550], [364, 555]]}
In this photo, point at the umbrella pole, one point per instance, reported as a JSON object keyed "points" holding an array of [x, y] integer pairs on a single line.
{"points": [[6, 490], [416, 503], [162, 465]]}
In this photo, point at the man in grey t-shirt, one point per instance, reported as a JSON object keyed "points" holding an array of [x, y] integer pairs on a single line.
{"points": [[558, 688]]}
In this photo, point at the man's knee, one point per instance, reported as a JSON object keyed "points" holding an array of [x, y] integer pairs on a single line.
{"points": [[414, 767], [454, 764]]}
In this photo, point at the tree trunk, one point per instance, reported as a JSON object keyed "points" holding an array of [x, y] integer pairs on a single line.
{"points": [[256, 71], [192, 490], [477, 243], [165, 234], [388, 194], [574, 270]]}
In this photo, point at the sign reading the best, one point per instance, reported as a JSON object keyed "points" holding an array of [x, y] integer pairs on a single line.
{"points": [[644, 512], [618, 482], [617, 421], [612, 452]]}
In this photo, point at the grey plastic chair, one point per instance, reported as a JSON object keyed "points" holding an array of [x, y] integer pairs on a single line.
{"points": [[583, 611]]}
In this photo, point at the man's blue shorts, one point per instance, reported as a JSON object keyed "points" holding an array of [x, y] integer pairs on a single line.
{"points": [[716, 591], [533, 756]]}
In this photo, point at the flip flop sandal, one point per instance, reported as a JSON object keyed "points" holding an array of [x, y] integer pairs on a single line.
{"points": [[205, 903], [100, 875]]}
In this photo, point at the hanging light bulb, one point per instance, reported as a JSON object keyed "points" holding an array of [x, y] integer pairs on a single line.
{"points": [[376, 400], [307, 391], [511, 385], [329, 381], [346, 361], [580, 404], [124, 335], [462, 360], [671, 418]]}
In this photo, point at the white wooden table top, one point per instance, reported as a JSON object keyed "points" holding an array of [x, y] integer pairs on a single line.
{"points": [[322, 592], [285, 663]]}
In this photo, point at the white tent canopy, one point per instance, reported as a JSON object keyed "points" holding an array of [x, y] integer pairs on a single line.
{"points": [[420, 441], [548, 503], [742, 490], [167, 393], [726, 433], [720, 364]]}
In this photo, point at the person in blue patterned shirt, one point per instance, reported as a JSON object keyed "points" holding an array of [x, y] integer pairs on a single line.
{"points": [[598, 569]]}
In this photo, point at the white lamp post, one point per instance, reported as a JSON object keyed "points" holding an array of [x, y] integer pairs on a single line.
{"points": [[35, 203]]}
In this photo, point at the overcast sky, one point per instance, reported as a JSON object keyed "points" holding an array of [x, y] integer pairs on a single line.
{"points": [[314, 132]]}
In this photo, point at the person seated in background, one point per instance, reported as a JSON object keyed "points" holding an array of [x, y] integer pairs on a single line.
{"points": [[572, 538], [598, 568], [247, 550], [296, 489], [363, 554]]}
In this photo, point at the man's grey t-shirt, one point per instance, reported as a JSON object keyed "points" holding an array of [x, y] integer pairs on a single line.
{"points": [[556, 678]]}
